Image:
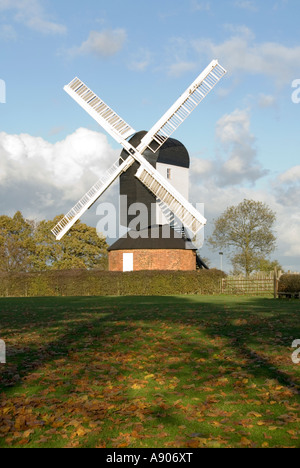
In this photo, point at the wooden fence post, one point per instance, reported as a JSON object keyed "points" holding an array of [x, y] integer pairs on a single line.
{"points": [[275, 283]]}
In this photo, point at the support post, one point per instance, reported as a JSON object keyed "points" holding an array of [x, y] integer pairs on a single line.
{"points": [[275, 283]]}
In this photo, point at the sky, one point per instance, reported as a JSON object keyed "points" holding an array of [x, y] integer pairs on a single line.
{"points": [[139, 57]]}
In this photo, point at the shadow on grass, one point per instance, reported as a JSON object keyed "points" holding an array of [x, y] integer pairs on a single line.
{"points": [[241, 321], [102, 333]]}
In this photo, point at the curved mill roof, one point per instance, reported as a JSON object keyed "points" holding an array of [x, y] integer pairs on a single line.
{"points": [[172, 152]]}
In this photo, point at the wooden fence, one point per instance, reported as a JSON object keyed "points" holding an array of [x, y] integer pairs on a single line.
{"points": [[256, 285]]}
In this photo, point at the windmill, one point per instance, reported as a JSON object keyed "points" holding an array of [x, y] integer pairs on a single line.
{"points": [[169, 198]]}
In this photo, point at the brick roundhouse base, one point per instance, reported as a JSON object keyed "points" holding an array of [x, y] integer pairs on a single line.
{"points": [[173, 260]]}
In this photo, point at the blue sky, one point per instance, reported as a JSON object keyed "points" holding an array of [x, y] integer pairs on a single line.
{"points": [[139, 56]]}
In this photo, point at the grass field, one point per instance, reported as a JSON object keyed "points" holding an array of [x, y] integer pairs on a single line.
{"points": [[149, 372]]}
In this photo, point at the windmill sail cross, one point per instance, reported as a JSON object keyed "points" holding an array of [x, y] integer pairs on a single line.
{"points": [[153, 140]]}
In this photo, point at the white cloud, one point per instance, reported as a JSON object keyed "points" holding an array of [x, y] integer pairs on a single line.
{"points": [[240, 30], [241, 54], [179, 68], [202, 167], [201, 6], [266, 101], [141, 60], [179, 57], [291, 175], [249, 5], [32, 14], [236, 161], [46, 179], [102, 44], [287, 187], [234, 135], [289, 232]]}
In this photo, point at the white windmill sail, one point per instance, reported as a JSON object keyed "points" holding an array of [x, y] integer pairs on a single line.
{"points": [[90, 198], [172, 199], [118, 129], [154, 139], [101, 112], [183, 107]]}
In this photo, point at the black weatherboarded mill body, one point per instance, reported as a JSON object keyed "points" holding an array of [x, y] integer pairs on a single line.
{"points": [[172, 153]]}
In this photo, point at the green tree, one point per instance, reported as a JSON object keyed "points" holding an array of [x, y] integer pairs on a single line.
{"points": [[259, 264], [16, 243], [246, 232], [81, 248], [266, 265]]}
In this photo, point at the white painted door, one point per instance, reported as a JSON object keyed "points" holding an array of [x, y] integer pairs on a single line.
{"points": [[128, 262]]}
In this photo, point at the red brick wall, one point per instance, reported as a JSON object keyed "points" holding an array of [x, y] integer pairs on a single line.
{"points": [[182, 260]]}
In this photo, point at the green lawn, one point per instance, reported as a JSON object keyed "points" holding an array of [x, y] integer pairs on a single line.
{"points": [[180, 372]]}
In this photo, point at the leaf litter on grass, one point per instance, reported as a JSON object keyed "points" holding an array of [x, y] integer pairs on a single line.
{"points": [[192, 373]]}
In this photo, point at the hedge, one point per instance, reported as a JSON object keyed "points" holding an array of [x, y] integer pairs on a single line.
{"points": [[103, 283], [289, 283]]}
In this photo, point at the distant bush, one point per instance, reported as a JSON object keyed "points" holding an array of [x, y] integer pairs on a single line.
{"points": [[289, 283], [103, 283]]}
